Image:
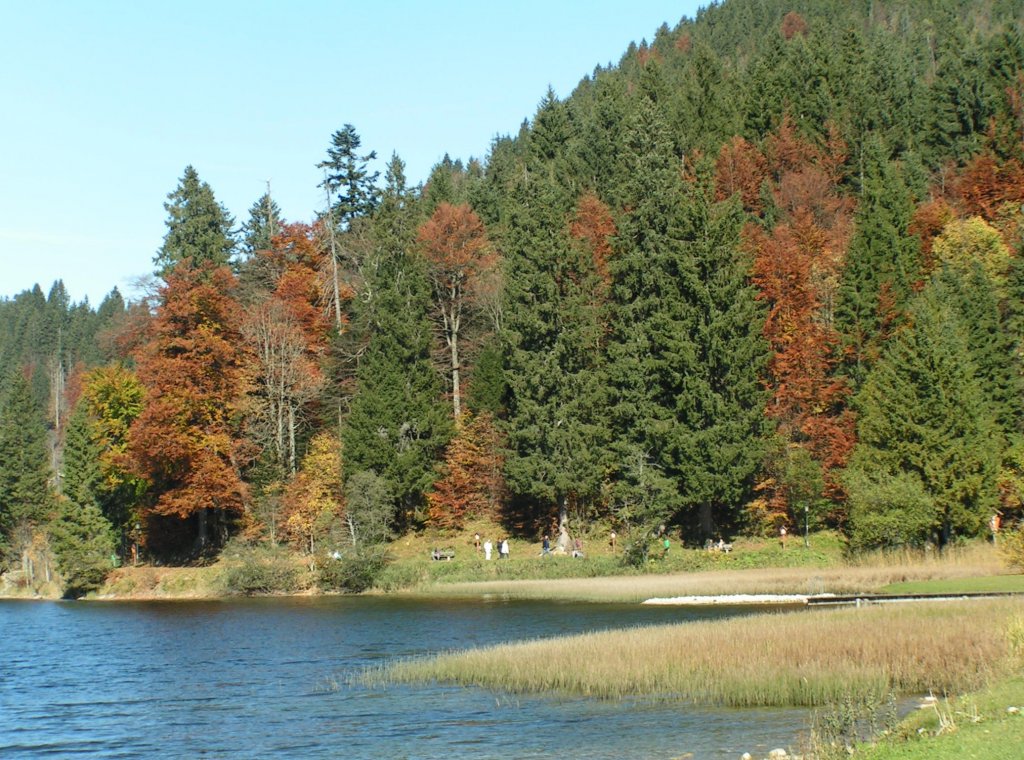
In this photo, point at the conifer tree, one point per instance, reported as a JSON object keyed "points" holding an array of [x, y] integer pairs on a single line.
{"points": [[264, 223], [396, 426], [348, 179], [552, 332], [721, 436], [651, 352], [882, 265], [82, 537], [924, 425], [24, 465], [198, 227]]}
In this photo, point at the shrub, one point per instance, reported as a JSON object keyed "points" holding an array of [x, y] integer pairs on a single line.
{"points": [[353, 573], [1012, 547], [888, 512], [262, 570]]}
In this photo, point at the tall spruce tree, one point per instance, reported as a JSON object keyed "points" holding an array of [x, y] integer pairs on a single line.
{"points": [[552, 333], [264, 222], [925, 427], [198, 227], [719, 441], [397, 425], [651, 353], [348, 179], [82, 537], [882, 264], [24, 464]]}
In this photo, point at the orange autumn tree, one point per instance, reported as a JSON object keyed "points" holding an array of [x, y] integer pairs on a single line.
{"points": [[740, 169], [593, 225], [458, 255], [796, 270], [286, 332], [472, 484], [186, 443]]}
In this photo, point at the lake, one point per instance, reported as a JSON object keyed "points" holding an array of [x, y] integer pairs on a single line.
{"points": [[267, 678]]}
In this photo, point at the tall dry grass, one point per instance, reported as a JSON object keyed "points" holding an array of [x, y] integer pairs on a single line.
{"points": [[810, 658], [865, 576]]}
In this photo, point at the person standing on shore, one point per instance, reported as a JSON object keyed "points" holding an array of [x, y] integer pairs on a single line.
{"points": [[487, 548], [545, 547], [503, 549]]}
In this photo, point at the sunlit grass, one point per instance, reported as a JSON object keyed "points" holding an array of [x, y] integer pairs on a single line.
{"points": [[810, 658], [791, 580]]}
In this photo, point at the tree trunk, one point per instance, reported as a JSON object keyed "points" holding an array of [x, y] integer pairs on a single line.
{"points": [[706, 519], [202, 530], [456, 391], [291, 439], [563, 525]]}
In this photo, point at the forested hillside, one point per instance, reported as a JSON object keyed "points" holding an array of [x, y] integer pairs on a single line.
{"points": [[765, 270]]}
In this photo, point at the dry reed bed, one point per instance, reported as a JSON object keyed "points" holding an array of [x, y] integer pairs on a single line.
{"points": [[635, 588], [810, 658]]}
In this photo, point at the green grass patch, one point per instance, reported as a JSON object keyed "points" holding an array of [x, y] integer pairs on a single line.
{"points": [[980, 585], [978, 725]]}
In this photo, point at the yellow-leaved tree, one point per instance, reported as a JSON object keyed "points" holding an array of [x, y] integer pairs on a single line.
{"points": [[313, 501]]}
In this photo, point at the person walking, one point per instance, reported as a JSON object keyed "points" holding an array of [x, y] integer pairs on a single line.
{"points": [[545, 547]]}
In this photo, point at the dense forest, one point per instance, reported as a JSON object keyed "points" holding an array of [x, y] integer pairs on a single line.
{"points": [[766, 270]]}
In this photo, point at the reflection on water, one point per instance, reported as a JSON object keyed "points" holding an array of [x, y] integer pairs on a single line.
{"points": [[269, 678]]}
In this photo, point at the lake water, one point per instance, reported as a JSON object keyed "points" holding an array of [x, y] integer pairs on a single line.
{"points": [[267, 678]]}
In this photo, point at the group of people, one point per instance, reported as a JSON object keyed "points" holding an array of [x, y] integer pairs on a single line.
{"points": [[488, 547], [545, 547]]}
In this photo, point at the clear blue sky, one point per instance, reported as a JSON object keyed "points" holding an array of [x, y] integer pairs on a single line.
{"points": [[106, 102]]}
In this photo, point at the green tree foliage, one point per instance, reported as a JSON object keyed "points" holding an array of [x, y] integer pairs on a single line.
{"points": [[722, 433], [115, 398], [882, 265], [263, 224], [24, 465], [925, 430], [397, 425], [347, 177], [198, 227], [82, 538], [651, 352], [552, 331]]}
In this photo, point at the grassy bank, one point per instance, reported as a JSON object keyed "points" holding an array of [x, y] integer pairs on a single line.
{"points": [[811, 658], [987, 724]]}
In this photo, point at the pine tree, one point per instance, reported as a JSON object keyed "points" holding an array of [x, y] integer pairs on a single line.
{"points": [[82, 537], [397, 425], [650, 347], [198, 227], [24, 464], [348, 179], [264, 223], [720, 438], [882, 265], [991, 345], [552, 334], [924, 425]]}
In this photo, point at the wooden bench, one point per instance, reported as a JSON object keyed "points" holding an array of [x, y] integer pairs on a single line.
{"points": [[442, 554]]}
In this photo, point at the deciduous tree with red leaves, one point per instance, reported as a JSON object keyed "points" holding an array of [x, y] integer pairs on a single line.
{"points": [[458, 253], [472, 484], [186, 442]]}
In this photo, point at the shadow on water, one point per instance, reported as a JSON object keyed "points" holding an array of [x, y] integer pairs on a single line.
{"points": [[269, 678]]}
